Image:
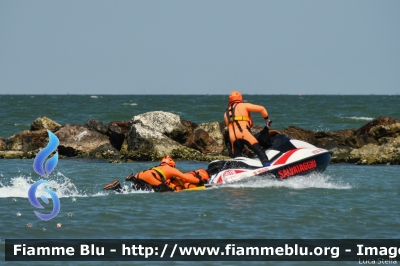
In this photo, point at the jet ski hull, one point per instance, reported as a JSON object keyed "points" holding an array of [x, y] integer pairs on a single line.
{"points": [[288, 158]]}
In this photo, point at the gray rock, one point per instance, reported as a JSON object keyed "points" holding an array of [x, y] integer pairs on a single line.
{"points": [[16, 155], [166, 123], [200, 140], [105, 151], [3, 144], [153, 135], [374, 154], [117, 130], [28, 140], [96, 125], [147, 144], [207, 138], [214, 129], [77, 140], [373, 143], [44, 122]]}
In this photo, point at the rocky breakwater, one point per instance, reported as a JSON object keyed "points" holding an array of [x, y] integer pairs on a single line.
{"points": [[377, 142], [148, 136], [152, 135]]}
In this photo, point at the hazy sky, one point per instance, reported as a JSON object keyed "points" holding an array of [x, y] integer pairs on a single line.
{"points": [[200, 47]]}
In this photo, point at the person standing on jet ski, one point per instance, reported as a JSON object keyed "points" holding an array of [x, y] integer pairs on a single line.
{"points": [[162, 178], [238, 120]]}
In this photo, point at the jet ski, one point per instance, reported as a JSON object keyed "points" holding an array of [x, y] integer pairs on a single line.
{"points": [[288, 157]]}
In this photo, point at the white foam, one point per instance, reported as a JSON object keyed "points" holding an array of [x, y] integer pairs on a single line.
{"points": [[313, 180], [359, 118], [19, 186]]}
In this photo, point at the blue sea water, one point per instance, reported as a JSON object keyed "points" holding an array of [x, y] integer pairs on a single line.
{"points": [[346, 201]]}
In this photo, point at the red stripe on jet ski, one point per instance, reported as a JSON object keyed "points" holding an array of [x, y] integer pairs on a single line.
{"points": [[285, 157]]}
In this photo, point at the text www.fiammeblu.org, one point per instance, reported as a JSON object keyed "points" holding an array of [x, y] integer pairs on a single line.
{"points": [[231, 250]]}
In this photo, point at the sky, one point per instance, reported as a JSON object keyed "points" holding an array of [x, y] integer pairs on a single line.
{"points": [[200, 47]]}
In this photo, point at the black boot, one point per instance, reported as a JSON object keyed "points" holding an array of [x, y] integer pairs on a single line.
{"points": [[261, 154]]}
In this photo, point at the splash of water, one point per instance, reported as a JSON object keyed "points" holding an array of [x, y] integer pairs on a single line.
{"points": [[313, 180], [20, 184]]}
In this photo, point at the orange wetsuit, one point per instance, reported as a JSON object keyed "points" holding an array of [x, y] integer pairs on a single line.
{"points": [[237, 118], [161, 175], [177, 184]]}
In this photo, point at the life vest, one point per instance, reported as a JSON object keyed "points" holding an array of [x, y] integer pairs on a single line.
{"points": [[160, 174], [140, 184], [156, 172], [232, 118], [202, 175], [177, 184]]}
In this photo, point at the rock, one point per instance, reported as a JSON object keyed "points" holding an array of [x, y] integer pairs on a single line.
{"points": [[207, 138], [374, 154], [190, 126], [147, 144], [77, 140], [124, 147], [300, 134], [340, 154], [117, 131], [166, 123], [350, 137], [189, 155], [45, 123], [152, 135], [27, 140], [374, 143], [16, 155], [200, 140], [96, 125], [215, 129], [381, 121], [105, 151], [384, 131], [3, 145]]}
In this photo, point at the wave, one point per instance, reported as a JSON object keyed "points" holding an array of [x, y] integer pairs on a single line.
{"points": [[313, 180], [132, 104], [359, 118], [18, 187]]}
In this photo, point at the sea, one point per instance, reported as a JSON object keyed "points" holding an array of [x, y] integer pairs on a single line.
{"points": [[346, 201]]}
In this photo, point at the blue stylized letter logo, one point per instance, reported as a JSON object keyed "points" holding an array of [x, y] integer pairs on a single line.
{"points": [[49, 167], [43, 154], [35, 202]]}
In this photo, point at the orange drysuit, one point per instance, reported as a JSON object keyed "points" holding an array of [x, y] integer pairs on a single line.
{"points": [[238, 120], [165, 175]]}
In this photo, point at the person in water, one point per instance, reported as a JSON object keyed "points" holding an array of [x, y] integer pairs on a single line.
{"points": [[162, 178], [238, 120]]}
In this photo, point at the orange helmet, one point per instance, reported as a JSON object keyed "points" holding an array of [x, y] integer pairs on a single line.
{"points": [[235, 96], [168, 160]]}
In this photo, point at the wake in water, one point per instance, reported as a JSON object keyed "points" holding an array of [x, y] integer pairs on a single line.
{"points": [[313, 180], [18, 187]]}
